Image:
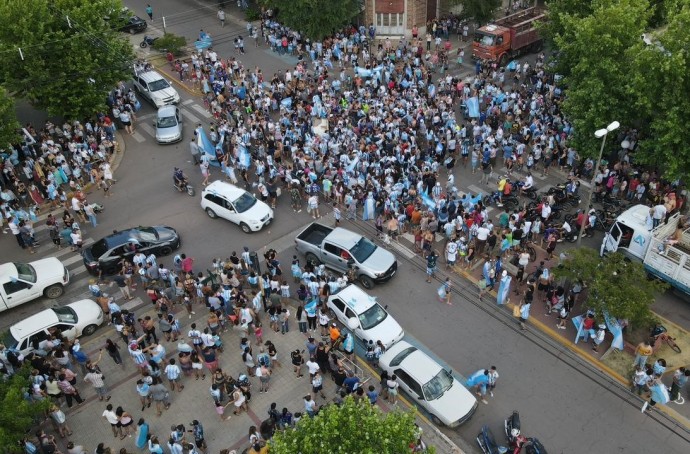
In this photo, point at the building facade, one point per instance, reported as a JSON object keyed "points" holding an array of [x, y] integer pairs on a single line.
{"points": [[395, 18]]}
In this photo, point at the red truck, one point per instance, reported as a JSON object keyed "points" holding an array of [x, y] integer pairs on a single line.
{"points": [[508, 37]]}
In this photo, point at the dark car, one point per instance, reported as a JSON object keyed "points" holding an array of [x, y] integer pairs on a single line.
{"points": [[131, 24], [105, 256]]}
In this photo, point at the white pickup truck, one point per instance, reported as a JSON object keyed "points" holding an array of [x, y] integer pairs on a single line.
{"points": [[23, 282], [664, 258]]}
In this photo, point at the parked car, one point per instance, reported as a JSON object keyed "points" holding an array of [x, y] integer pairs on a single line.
{"points": [[131, 24], [340, 249], [224, 200], [155, 89], [429, 384], [362, 314], [80, 318], [23, 282], [168, 125], [105, 255]]}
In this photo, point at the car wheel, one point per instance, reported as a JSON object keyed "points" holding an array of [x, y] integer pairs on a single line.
{"points": [[245, 228], [311, 258], [132, 31], [366, 281], [212, 214], [89, 330], [436, 421], [54, 291], [166, 250]]}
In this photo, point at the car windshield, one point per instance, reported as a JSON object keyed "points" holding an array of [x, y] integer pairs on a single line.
{"points": [[25, 272], [147, 234], [438, 385], [99, 248], [483, 39], [166, 122], [66, 314], [159, 84], [400, 357], [362, 250], [244, 202], [372, 317]]}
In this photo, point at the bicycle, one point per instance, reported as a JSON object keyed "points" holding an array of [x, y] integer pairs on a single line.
{"points": [[661, 336]]}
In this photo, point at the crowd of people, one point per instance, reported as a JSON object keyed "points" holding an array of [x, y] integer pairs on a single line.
{"points": [[386, 154]]}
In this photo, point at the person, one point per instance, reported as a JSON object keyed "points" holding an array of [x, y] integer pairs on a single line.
{"points": [[642, 352], [680, 380], [493, 377], [444, 292], [221, 17], [179, 179], [431, 259], [59, 421], [112, 418], [95, 377], [524, 313], [142, 433], [392, 386]]}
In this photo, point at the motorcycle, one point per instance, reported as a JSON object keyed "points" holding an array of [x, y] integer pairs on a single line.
{"points": [[530, 193], [510, 423], [487, 442], [185, 187], [534, 446], [147, 41]]}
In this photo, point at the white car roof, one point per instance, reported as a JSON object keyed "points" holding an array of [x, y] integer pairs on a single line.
{"points": [[356, 298], [225, 189], [150, 76], [418, 363], [166, 111]]}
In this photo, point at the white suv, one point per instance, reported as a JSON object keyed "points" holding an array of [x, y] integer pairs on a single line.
{"points": [[156, 89]]}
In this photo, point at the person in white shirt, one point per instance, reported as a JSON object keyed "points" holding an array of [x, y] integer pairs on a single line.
{"points": [[545, 211], [529, 182]]}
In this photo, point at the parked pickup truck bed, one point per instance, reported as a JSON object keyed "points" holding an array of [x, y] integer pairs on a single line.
{"points": [[338, 249]]}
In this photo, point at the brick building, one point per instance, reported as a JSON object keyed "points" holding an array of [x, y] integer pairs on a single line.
{"points": [[397, 17]]}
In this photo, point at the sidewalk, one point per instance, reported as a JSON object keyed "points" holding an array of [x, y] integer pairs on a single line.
{"points": [[194, 402]]}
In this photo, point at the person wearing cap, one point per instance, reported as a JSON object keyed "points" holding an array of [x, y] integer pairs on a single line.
{"points": [[598, 337], [334, 333]]}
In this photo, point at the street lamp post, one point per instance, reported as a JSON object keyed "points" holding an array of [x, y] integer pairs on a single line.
{"points": [[599, 134]]}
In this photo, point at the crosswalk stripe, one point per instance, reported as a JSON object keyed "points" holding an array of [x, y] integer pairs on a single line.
{"points": [[147, 129], [147, 116], [187, 102], [191, 117], [201, 110], [73, 259], [475, 190], [138, 137]]}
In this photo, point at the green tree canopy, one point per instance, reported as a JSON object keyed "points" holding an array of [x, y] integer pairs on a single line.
{"points": [[17, 415], [558, 11], [8, 120], [616, 285], [481, 11], [598, 51], [315, 19], [353, 427], [660, 81], [61, 54]]}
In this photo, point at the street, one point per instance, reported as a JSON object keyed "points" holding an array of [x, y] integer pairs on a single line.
{"points": [[564, 401]]}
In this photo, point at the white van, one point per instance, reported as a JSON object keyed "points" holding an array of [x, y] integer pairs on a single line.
{"points": [[23, 282], [224, 200]]}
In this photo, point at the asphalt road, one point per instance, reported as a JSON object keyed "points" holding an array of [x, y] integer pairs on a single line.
{"points": [[564, 402]]}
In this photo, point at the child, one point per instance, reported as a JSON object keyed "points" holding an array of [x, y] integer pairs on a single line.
{"points": [[258, 332], [493, 376], [336, 214], [285, 291], [296, 270]]}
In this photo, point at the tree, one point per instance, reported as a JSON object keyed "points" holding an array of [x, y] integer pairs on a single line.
{"points": [[17, 414], [351, 427], [482, 11], [661, 85], [61, 54], [557, 11], [316, 19], [8, 120], [598, 50], [616, 284]]}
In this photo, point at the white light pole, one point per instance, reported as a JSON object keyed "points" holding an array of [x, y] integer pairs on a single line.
{"points": [[599, 134]]}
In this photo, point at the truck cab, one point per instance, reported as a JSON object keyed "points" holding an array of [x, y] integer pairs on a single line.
{"points": [[630, 234], [490, 42]]}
